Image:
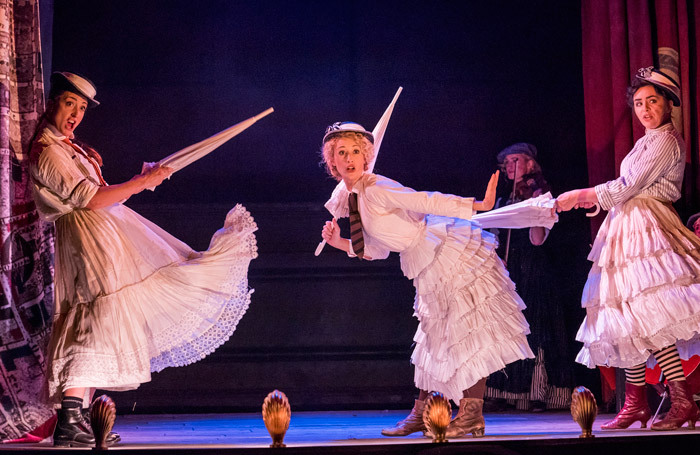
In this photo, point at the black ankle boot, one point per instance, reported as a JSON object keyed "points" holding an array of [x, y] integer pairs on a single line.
{"points": [[112, 438], [71, 429]]}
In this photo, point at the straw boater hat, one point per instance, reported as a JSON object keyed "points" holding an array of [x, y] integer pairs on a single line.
{"points": [[520, 147], [663, 81], [74, 83], [346, 127]]}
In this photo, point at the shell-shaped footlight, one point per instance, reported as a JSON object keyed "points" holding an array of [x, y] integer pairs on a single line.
{"points": [[584, 410], [102, 417], [437, 416], [276, 414]]}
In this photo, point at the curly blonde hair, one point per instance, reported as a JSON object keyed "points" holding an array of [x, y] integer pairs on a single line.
{"points": [[328, 150]]}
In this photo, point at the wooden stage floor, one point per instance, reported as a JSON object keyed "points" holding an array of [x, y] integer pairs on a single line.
{"points": [[359, 432]]}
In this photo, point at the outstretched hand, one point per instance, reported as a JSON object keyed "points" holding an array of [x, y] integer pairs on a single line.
{"points": [[490, 196], [576, 199]]}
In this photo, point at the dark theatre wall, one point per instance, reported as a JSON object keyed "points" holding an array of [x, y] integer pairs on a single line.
{"points": [[329, 331]]}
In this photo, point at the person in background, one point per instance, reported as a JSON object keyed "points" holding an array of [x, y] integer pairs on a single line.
{"points": [[694, 224], [547, 381]]}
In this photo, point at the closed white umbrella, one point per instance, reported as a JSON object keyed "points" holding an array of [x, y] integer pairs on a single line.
{"points": [[192, 153], [536, 211]]}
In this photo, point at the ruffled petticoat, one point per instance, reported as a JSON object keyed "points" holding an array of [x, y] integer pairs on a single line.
{"points": [[132, 299], [471, 321], [643, 290]]}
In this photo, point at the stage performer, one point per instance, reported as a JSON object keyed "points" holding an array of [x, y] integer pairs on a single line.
{"points": [[470, 317], [130, 298], [547, 381], [642, 297]]}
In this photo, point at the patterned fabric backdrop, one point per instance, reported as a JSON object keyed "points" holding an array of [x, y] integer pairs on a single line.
{"points": [[26, 244]]}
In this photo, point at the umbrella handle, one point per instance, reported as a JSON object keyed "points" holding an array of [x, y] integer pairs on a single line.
{"points": [[319, 248], [594, 213]]}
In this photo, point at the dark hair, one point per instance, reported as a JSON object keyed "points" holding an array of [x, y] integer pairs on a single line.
{"points": [[56, 91], [639, 83]]}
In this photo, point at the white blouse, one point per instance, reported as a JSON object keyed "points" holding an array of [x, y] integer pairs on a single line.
{"points": [[394, 219], [62, 179]]}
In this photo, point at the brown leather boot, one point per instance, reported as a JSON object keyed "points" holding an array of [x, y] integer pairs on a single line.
{"points": [[411, 424], [636, 408], [469, 419], [683, 408]]}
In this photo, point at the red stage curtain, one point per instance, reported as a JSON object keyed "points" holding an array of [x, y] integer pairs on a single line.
{"points": [[26, 293], [619, 37]]}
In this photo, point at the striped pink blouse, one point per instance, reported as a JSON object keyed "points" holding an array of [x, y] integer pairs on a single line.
{"points": [[654, 167]]}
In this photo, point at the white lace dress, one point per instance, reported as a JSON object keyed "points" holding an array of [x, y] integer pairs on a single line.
{"points": [[131, 298], [471, 320]]}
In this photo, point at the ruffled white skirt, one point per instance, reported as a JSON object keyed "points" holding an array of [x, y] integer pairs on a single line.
{"points": [[132, 299], [471, 321], [643, 290]]}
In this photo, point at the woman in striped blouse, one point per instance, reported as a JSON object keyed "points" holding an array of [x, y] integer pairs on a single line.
{"points": [[642, 297]]}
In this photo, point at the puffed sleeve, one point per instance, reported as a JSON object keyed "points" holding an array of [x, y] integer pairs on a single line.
{"points": [[59, 186], [389, 193]]}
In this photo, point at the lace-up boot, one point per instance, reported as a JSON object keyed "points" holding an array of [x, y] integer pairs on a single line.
{"points": [[411, 424], [636, 408], [469, 419], [72, 430], [683, 408]]}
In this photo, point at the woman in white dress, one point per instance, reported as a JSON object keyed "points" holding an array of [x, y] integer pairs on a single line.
{"points": [[642, 297], [130, 298], [471, 321]]}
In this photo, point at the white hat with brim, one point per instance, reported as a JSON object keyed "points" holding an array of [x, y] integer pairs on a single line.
{"points": [[663, 81], [71, 82], [346, 127]]}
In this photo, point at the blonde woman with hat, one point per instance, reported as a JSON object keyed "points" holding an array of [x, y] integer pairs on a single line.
{"points": [[470, 317], [130, 298], [642, 297]]}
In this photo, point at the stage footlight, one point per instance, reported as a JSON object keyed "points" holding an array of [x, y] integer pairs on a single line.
{"points": [[102, 417], [584, 410], [437, 416], [276, 415]]}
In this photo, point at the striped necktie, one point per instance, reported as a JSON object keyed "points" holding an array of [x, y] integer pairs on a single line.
{"points": [[358, 242]]}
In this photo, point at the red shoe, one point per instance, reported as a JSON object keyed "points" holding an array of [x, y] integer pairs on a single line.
{"points": [[683, 408], [636, 408]]}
